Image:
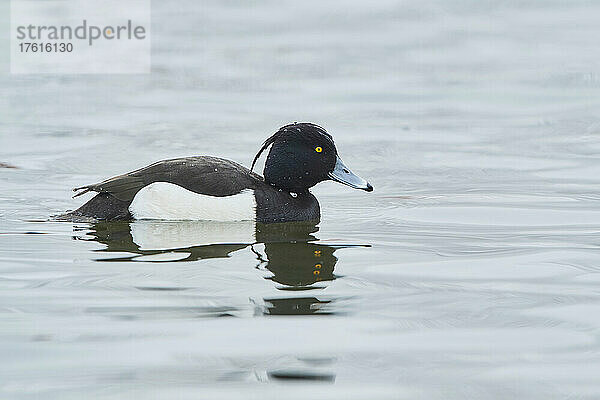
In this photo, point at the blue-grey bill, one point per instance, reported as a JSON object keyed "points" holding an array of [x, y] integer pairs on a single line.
{"points": [[342, 174]]}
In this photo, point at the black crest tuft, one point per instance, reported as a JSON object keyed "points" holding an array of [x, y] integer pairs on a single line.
{"points": [[305, 130]]}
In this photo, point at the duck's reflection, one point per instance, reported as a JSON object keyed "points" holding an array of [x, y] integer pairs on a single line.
{"points": [[297, 306], [149, 240], [290, 252], [299, 265]]}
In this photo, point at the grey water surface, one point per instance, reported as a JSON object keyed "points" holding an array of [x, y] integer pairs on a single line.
{"points": [[471, 271]]}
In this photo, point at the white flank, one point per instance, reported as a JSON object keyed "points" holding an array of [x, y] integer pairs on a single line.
{"points": [[165, 235], [167, 201]]}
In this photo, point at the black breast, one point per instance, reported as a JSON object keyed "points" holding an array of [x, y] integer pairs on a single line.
{"points": [[273, 205]]}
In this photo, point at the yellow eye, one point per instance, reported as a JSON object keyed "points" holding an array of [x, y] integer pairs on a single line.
{"points": [[318, 149]]}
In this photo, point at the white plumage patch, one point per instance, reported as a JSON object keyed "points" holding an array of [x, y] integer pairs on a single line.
{"points": [[164, 200], [165, 235]]}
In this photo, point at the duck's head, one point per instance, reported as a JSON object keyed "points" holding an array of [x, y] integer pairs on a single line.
{"points": [[302, 155]]}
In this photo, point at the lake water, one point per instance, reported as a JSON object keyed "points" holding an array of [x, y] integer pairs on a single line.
{"points": [[472, 270]]}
